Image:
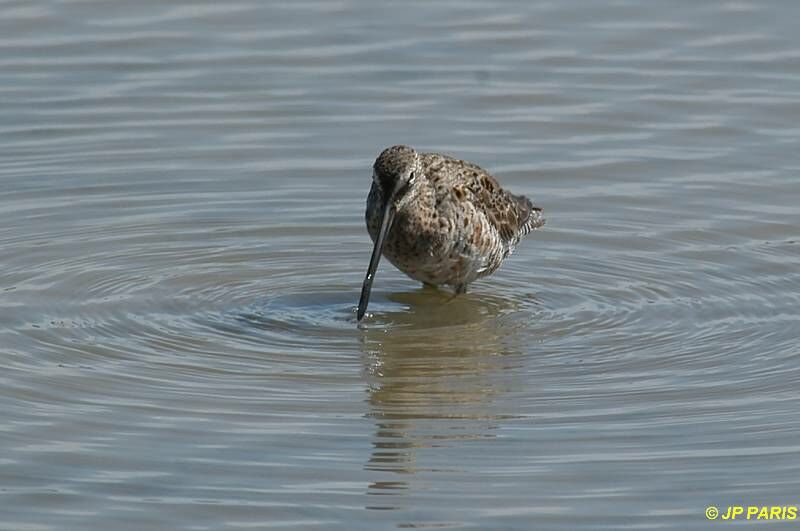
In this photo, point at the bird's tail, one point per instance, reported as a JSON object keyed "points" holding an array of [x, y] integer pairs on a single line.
{"points": [[532, 217]]}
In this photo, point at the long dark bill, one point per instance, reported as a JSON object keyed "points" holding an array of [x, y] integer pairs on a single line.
{"points": [[386, 224]]}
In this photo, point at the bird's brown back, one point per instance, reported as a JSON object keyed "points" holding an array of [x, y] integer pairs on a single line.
{"points": [[513, 216]]}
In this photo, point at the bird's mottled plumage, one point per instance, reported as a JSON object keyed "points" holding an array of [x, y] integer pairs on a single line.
{"points": [[447, 220]]}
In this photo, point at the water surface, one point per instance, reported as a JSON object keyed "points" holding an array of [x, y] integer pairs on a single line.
{"points": [[182, 244]]}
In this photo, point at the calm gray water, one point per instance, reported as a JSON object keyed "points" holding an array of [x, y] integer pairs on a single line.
{"points": [[182, 247]]}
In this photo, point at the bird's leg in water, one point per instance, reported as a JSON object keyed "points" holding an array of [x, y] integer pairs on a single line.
{"points": [[461, 289]]}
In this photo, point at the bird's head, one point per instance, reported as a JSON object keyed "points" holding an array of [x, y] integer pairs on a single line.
{"points": [[397, 172]]}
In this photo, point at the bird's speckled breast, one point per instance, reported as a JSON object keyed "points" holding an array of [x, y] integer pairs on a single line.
{"points": [[436, 241]]}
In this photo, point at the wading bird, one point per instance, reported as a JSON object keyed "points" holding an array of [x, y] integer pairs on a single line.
{"points": [[441, 220]]}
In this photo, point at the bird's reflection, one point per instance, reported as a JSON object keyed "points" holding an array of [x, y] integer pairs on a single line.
{"points": [[435, 368]]}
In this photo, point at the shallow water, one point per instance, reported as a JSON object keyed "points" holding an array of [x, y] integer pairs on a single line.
{"points": [[182, 247]]}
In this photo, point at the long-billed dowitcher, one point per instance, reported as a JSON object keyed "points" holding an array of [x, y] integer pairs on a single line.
{"points": [[441, 220]]}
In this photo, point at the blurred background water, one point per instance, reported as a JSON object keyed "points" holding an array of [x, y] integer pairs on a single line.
{"points": [[182, 244]]}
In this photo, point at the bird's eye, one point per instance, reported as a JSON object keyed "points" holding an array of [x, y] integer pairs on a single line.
{"points": [[411, 176]]}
